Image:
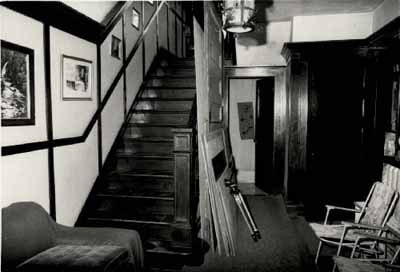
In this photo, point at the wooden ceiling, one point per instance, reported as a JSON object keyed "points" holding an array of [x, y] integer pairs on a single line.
{"points": [[281, 10]]}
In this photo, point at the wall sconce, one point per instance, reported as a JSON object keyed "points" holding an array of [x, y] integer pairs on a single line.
{"points": [[238, 15]]}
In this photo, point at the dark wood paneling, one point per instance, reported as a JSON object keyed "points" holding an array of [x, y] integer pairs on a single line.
{"points": [[49, 119]]}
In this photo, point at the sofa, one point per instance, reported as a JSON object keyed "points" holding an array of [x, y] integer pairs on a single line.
{"points": [[33, 241]]}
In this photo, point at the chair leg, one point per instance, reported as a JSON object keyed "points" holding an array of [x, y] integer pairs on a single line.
{"points": [[318, 252]]}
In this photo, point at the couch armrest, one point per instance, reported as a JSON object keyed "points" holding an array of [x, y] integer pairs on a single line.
{"points": [[128, 239]]}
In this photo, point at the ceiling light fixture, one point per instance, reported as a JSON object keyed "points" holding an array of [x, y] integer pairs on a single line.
{"points": [[238, 15]]}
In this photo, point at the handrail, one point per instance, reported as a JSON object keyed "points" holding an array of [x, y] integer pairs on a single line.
{"points": [[33, 146]]}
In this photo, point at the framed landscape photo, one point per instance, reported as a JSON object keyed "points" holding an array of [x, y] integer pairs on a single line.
{"points": [[17, 85], [77, 78], [115, 50]]}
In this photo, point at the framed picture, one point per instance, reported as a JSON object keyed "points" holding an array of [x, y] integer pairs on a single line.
{"points": [[77, 78], [115, 50], [135, 18], [17, 85]]}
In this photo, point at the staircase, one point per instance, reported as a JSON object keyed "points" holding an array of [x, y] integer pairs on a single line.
{"points": [[148, 181]]}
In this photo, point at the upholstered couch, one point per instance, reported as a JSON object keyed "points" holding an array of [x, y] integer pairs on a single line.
{"points": [[30, 238]]}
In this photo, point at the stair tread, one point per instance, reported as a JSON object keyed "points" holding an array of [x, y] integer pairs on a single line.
{"points": [[163, 111], [144, 155], [139, 195], [172, 77], [145, 172], [150, 139], [168, 87], [166, 99], [168, 221], [151, 124]]}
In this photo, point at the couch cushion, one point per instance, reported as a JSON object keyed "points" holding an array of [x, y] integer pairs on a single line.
{"points": [[25, 232], [73, 258]]}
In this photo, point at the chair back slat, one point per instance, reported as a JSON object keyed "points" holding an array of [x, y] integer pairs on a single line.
{"points": [[380, 200]]}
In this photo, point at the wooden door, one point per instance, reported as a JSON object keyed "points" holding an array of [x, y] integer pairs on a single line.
{"points": [[264, 136]]}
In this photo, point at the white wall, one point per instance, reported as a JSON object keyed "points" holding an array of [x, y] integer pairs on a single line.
{"points": [[263, 46], [70, 117], [11, 27], [242, 90], [385, 13], [24, 177], [110, 66], [332, 27], [76, 169]]}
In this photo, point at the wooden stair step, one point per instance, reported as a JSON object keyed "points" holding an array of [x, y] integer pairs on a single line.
{"points": [[138, 196], [131, 148], [153, 139], [164, 125], [143, 209], [160, 119], [134, 163], [139, 188], [145, 155], [143, 173], [148, 131], [184, 82], [165, 93], [183, 111], [171, 72]]}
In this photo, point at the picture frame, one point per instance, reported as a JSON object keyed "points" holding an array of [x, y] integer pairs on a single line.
{"points": [[135, 19], [76, 78], [17, 85], [115, 47]]}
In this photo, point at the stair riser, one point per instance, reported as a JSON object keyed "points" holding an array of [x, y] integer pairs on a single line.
{"points": [[174, 72], [138, 186], [133, 209], [164, 105], [181, 62], [126, 164], [133, 131], [148, 232], [172, 82], [156, 118], [169, 93], [148, 147]]}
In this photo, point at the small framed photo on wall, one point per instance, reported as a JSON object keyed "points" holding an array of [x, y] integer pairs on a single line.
{"points": [[135, 19], [115, 48], [17, 85], [77, 78]]}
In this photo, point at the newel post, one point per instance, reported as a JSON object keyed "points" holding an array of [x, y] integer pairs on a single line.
{"points": [[183, 157]]}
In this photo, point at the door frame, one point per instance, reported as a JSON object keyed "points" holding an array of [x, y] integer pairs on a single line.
{"points": [[281, 110]]}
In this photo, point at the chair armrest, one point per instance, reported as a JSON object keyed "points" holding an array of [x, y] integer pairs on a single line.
{"points": [[331, 207], [363, 226], [372, 237]]}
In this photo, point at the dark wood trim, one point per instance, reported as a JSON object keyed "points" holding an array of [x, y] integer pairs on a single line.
{"points": [[169, 50], [49, 118], [57, 14], [124, 61], [115, 13], [157, 32], [99, 120], [143, 46], [176, 38]]}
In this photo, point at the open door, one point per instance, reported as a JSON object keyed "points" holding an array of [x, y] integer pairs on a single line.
{"points": [[264, 136]]}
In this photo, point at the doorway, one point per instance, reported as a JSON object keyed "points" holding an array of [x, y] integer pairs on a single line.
{"points": [[252, 135], [264, 135]]}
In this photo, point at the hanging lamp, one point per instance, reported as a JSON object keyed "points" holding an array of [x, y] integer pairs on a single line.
{"points": [[238, 15]]}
